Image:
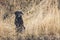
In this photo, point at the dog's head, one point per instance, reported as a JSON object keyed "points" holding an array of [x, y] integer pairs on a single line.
{"points": [[18, 13]]}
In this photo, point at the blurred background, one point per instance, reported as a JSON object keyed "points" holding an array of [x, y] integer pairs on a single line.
{"points": [[41, 19]]}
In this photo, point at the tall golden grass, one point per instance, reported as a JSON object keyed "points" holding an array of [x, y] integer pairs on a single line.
{"points": [[42, 19]]}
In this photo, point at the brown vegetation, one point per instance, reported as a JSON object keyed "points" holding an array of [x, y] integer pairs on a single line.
{"points": [[41, 19]]}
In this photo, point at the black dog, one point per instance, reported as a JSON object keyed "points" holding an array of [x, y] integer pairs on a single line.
{"points": [[19, 21]]}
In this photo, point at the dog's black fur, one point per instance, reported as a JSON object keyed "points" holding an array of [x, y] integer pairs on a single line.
{"points": [[19, 21]]}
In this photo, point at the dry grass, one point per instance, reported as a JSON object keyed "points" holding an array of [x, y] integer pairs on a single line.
{"points": [[41, 20]]}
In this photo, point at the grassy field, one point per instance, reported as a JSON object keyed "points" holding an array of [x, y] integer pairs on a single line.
{"points": [[41, 19]]}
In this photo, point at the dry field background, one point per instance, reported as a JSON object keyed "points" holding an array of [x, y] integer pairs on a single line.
{"points": [[41, 19]]}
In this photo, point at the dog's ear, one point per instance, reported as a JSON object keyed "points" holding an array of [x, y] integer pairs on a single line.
{"points": [[16, 13]]}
